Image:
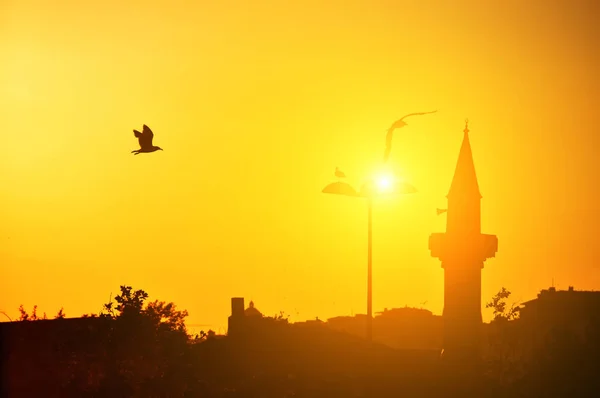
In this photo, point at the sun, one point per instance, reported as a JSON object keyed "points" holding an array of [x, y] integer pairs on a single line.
{"points": [[384, 183]]}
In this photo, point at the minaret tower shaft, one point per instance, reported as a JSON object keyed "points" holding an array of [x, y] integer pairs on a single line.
{"points": [[462, 250]]}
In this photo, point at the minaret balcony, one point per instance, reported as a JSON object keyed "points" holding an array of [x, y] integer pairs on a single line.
{"points": [[479, 247]]}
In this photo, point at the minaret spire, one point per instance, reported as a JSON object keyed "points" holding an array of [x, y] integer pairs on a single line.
{"points": [[465, 177]]}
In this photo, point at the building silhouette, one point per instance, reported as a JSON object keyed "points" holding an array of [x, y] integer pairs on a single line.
{"points": [[400, 328], [246, 322], [33, 353], [462, 250], [573, 310], [252, 310]]}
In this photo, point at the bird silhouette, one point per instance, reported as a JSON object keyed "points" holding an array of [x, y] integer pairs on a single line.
{"points": [[339, 173], [396, 125], [145, 140]]}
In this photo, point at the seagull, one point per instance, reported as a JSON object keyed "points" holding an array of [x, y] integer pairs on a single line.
{"points": [[396, 125], [339, 173], [145, 139]]}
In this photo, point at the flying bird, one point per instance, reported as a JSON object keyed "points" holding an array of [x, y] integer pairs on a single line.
{"points": [[145, 140], [396, 125], [339, 173]]}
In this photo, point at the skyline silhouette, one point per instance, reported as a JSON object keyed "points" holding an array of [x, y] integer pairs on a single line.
{"points": [[134, 347], [255, 106]]}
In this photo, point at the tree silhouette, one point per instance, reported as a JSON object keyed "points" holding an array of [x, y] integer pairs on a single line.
{"points": [[127, 303], [165, 315], [146, 345], [498, 305], [504, 350]]}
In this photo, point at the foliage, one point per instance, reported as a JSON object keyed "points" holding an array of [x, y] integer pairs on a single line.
{"points": [[146, 342], [281, 317], [131, 304], [60, 314], [166, 315], [498, 305], [127, 303], [33, 316], [203, 336], [24, 316], [504, 346]]}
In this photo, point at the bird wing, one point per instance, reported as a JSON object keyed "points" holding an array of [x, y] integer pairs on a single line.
{"points": [[148, 135], [148, 132], [140, 137], [388, 144], [145, 137], [418, 114], [386, 154], [389, 136], [398, 124]]}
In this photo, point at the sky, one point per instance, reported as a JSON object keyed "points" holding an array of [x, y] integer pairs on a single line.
{"points": [[255, 103]]}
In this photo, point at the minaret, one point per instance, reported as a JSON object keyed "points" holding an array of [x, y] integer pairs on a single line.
{"points": [[462, 250]]}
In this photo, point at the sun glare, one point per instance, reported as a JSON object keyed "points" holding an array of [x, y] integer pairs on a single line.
{"points": [[384, 183]]}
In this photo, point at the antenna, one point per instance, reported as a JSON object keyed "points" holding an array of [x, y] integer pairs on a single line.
{"points": [[109, 302]]}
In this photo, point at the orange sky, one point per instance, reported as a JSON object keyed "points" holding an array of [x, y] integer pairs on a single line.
{"points": [[255, 103]]}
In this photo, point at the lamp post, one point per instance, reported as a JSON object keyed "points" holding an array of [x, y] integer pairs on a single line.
{"points": [[368, 191]]}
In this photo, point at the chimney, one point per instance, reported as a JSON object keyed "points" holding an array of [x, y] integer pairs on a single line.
{"points": [[235, 322], [237, 306]]}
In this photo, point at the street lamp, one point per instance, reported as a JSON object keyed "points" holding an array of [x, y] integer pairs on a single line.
{"points": [[369, 190]]}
